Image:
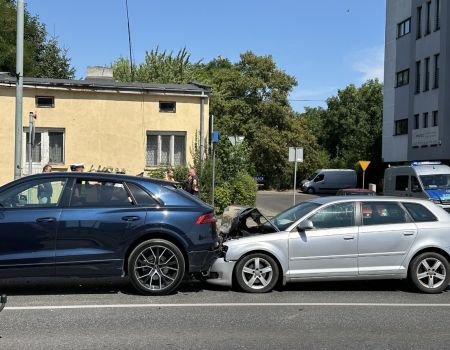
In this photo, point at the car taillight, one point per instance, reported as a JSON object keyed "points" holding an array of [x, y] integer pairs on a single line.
{"points": [[209, 218]]}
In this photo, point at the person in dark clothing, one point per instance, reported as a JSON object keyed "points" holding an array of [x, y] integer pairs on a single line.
{"points": [[45, 190], [192, 184]]}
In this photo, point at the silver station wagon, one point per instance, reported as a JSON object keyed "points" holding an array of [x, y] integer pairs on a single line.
{"points": [[336, 238]]}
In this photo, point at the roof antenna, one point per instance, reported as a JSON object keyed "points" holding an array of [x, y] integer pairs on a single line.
{"points": [[129, 43]]}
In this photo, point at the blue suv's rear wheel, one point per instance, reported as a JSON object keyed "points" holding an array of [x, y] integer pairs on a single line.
{"points": [[156, 267]]}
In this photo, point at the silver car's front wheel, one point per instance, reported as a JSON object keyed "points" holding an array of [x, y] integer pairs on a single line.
{"points": [[257, 273], [430, 272]]}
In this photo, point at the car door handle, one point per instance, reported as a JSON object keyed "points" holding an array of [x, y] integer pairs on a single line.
{"points": [[408, 233], [347, 238], [131, 218], [45, 220]]}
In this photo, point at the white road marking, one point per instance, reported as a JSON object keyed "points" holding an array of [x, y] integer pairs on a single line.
{"points": [[211, 305]]}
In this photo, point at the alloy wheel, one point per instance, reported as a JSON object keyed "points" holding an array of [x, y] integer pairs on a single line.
{"points": [[257, 273], [157, 268], [431, 273]]}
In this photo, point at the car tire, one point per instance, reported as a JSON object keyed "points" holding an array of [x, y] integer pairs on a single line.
{"points": [[430, 272], [310, 190], [257, 273], [156, 267]]}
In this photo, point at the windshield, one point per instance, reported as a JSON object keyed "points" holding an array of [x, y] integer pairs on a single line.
{"points": [[433, 182], [312, 177], [291, 215]]}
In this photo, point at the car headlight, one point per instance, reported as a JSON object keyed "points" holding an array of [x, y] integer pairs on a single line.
{"points": [[435, 200]]}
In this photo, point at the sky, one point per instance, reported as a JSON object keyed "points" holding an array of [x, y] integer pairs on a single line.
{"points": [[324, 44]]}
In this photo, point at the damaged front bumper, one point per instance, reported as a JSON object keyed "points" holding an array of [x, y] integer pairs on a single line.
{"points": [[221, 272]]}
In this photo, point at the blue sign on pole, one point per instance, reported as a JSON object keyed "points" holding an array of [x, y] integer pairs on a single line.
{"points": [[215, 136]]}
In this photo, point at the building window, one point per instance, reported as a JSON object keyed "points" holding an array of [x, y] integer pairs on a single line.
{"points": [[416, 121], [48, 147], [56, 147], [417, 77], [425, 120], [436, 71], [36, 148], [426, 83], [428, 24], [45, 101], [419, 22], [435, 118], [167, 107], [438, 15], [401, 127], [403, 78], [404, 28], [166, 148]]}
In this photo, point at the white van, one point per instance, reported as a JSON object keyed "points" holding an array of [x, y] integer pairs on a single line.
{"points": [[429, 180], [329, 180]]}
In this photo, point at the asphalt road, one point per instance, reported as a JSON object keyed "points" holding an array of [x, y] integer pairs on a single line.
{"points": [[272, 202], [108, 314]]}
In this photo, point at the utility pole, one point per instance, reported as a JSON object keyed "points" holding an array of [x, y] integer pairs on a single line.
{"points": [[129, 43], [19, 91]]}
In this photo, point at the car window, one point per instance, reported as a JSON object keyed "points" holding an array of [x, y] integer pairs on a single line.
{"points": [[141, 196], [415, 185], [383, 213], [419, 213], [333, 216], [401, 182], [319, 178], [34, 194], [99, 193], [286, 218]]}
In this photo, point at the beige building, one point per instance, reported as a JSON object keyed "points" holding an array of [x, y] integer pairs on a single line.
{"points": [[102, 123]]}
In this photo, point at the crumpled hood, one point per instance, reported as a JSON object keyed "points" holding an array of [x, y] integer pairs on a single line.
{"points": [[442, 194]]}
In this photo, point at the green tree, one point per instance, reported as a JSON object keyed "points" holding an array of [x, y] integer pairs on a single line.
{"points": [[158, 67], [350, 127], [42, 56]]}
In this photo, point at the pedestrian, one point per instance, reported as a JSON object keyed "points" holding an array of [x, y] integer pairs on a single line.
{"points": [[45, 190], [192, 184], [169, 175], [77, 167]]}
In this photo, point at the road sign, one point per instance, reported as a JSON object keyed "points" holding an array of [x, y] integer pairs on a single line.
{"points": [[295, 154], [364, 164]]}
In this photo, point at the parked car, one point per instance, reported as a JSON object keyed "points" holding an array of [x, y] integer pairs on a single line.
{"points": [[338, 238], [355, 192], [329, 181], [88, 224], [430, 180]]}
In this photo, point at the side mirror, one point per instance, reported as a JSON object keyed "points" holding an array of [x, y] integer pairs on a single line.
{"points": [[305, 225]]}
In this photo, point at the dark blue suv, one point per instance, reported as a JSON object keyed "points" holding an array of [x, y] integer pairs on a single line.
{"points": [[94, 224]]}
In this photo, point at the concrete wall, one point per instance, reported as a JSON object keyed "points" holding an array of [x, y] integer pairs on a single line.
{"points": [[395, 147], [403, 102], [101, 128]]}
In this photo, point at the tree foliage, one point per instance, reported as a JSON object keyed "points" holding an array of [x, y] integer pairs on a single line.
{"points": [[43, 58], [158, 67], [350, 128]]}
